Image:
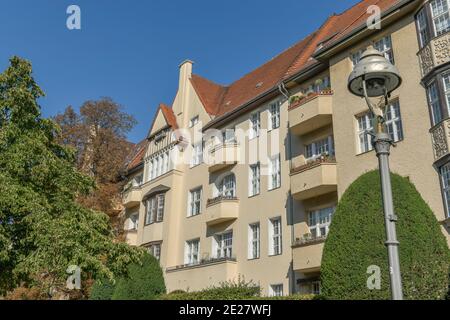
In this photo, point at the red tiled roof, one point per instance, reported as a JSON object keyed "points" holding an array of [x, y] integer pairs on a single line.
{"points": [[219, 100], [137, 155], [169, 116]]}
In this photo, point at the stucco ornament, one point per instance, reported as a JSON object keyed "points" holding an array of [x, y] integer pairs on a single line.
{"points": [[442, 49], [426, 60], [440, 145]]}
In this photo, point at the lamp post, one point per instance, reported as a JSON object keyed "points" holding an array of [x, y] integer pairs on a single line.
{"points": [[375, 76]]}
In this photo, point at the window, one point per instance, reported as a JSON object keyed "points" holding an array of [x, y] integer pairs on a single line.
{"points": [[159, 164], [441, 16], [275, 237], [446, 80], [195, 202], [435, 104], [274, 116], [224, 243], [319, 222], [365, 126], [276, 290], [319, 148], [254, 243], [394, 122], [192, 250], [384, 45], [154, 209], [193, 121], [133, 222], [137, 180], [155, 250], [255, 125], [422, 27], [227, 187], [197, 154], [228, 136], [445, 176], [275, 172], [356, 57], [254, 180]]}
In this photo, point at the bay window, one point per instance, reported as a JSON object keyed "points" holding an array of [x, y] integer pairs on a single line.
{"points": [[433, 20], [154, 209], [158, 164], [445, 177]]}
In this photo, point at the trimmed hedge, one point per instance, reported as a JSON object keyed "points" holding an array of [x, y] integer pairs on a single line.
{"points": [[240, 290], [357, 240], [145, 281]]}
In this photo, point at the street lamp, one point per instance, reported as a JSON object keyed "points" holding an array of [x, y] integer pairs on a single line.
{"points": [[375, 76]]}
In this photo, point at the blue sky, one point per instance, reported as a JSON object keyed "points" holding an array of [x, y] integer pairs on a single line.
{"points": [[130, 50]]}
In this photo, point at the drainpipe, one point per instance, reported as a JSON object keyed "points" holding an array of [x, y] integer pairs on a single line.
{"points": [[285, 92]]}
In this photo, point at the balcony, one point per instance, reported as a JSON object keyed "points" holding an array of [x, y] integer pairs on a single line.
{"points": [[131, 197], [195, 277], [222, 156], [440, 136], [221, 209], [311, 113], [435, 53], [307, 254], [314, 179]]}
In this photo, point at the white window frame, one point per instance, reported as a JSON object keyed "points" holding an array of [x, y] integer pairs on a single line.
{"points": [[133, 221], [224, 245], [255, 125], [195, 202], [275, 237], [393, 121], [318, 148], [276, 290], [254, 180], [197, 154], [435, 102], [320, 220], [254, 241], [154, 209], [440, 17], [356, 57], [227, 187], [192, 252], [274, 172], [159, 164], [155, 250], [423, 27], [384, 45], [445, 186], [446, 87], [274, 115]]}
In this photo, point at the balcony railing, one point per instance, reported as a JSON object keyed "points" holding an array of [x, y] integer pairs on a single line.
{"points": [[314, 163], [308, 240], [217, 200], [202, 263], [222, 155], [435, 53]]}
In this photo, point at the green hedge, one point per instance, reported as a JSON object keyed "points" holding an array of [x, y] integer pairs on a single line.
{"points": [[145, 281], [357, 236], [239, 290]]}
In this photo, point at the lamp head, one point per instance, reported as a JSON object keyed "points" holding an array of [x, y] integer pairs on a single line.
{"points": [[377, 71]]}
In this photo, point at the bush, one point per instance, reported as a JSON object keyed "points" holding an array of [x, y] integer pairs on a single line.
{"points": [[357, 241], [102, 290], [144, 282], [239, 290]]}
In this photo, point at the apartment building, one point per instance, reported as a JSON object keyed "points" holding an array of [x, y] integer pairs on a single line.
{"points": [[261, 205]]}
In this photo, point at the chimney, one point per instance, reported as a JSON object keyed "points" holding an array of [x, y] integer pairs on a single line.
{"points": [[185, 73]]}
